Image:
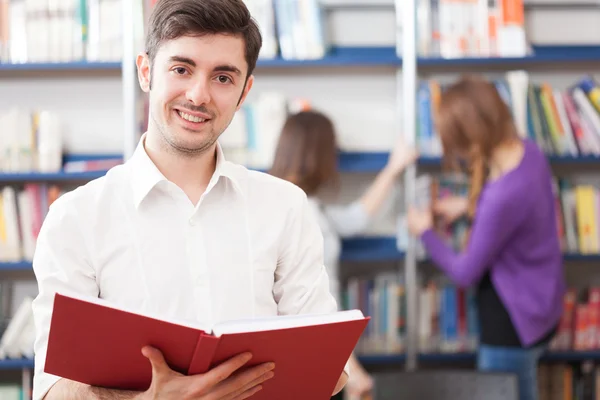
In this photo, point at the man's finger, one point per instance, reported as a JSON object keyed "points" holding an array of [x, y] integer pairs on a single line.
{"points": [[255, 382], [248, 393], [225, 369]]}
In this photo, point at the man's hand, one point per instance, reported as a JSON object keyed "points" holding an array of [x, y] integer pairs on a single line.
{"points": [[340, 383], [220, 383]]}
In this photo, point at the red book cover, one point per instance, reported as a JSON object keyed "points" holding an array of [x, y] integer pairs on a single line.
{"points": [[93, 342]]}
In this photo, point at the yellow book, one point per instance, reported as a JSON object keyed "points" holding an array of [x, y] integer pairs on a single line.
{"points": [[587, 225]]}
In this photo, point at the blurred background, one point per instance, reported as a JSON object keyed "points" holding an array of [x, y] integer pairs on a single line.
{"points": [[70, 109]]}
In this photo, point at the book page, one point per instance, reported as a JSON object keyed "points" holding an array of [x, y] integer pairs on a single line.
{"points": [[105, 303], [284, 321]]}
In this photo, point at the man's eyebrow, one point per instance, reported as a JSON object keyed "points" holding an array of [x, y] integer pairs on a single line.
{"points": [[228, 68], [182, 59]]}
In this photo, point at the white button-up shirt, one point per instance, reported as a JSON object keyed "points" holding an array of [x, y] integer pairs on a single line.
{"points": [[249, 248]]}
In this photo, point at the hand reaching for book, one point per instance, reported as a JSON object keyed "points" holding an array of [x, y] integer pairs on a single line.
{"points": [[401, 157], [419, 220], [451, 208], [223, 382]]}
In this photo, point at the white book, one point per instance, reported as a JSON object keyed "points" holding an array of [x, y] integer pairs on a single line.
{"points": [[11, 222]]}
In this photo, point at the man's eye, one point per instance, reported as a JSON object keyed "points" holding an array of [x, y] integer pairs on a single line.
{"points": [[179, 70], [223, 79]]}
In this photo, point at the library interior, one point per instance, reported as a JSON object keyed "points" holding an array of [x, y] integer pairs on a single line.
{"points": [[72, 109]]}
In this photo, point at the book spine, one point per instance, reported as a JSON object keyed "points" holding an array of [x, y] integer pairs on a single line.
{"points": [[203, 355]]}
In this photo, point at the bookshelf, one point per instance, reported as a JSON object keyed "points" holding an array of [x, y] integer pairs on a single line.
{"points": [[361, 249], [61, 66]]}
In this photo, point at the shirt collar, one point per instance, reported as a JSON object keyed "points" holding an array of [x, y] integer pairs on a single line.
{"points": [[145, 174]]}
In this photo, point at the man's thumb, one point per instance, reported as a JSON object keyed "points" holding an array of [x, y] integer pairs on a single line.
{"points": [[156, 358]]}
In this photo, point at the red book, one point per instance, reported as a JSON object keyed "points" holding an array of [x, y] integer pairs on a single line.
{"points": [[99, 344]]}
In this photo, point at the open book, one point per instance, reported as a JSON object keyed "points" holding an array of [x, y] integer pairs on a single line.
{"points": [[94, 342]]}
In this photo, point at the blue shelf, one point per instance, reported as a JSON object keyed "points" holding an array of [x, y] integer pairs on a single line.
{"points": [[362, 162], [382, 359], [581, 257], [397, 359], [15, 266], [51, 177], [61, 176], [18, 363], [559, 160], [71, 66], [554, 160], [362, 56], [380, 248], [341, 56], [540, 55]]}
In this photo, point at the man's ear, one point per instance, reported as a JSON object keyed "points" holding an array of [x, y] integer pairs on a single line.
{"points": [[144, 74], [245, 92]]}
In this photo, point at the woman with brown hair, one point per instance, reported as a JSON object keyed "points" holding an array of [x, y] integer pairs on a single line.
{"points": [[307, 155], [513, 254]]}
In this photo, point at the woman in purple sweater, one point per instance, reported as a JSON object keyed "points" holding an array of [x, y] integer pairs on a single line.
{"points": [[513, 255]]}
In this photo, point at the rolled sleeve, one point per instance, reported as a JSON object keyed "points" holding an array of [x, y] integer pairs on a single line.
{"points": [[61, 265], [348, 220]]}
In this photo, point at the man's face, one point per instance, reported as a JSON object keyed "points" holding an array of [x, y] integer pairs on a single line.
{"points": [[196, 85]]}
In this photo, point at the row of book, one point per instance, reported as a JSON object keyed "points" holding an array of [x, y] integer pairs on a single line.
{"points": [[577, 213], [562, 122], [579, 327], [578, 216], [447, 317], [561, 381], [33, 31], [471, 28], [30, 141], [291, 29], [22, 212]]}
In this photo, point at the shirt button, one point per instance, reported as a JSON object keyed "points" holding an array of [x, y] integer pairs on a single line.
{"points": [[192, 222]]}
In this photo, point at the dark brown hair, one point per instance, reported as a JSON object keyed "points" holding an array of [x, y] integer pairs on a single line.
{"points": [[172, 19], [306, 153], [472, 120]]}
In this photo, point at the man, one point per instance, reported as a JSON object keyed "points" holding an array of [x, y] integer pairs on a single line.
{"points": [[177, 230]]}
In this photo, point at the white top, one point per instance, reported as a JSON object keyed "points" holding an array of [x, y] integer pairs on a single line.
{"points": [[250, 248], [337, 222]]}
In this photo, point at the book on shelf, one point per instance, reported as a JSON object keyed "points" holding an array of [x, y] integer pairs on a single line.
{"points": [[32, 142], [60, 32], [98, 343], [467, 28], [447, 317], [17, 340], [568, 381], [22, 212], [563, 122]]}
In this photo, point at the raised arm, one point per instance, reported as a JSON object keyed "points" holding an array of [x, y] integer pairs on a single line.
{"points": [[353, 219], [496, 220]]}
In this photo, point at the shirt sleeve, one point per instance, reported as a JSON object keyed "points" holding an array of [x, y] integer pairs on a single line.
{"points": [[60, 264], [348, 220], [301, 281], [495, 222]]}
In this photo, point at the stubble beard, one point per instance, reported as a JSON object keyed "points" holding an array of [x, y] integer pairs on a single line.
{"points": [[173, 146]]}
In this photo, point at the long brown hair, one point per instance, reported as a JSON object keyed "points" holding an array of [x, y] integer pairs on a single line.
{"points": [[472, 120], [306, 152]]}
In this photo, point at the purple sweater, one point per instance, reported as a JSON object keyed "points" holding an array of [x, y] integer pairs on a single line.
{"points": [[514, 236]]}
